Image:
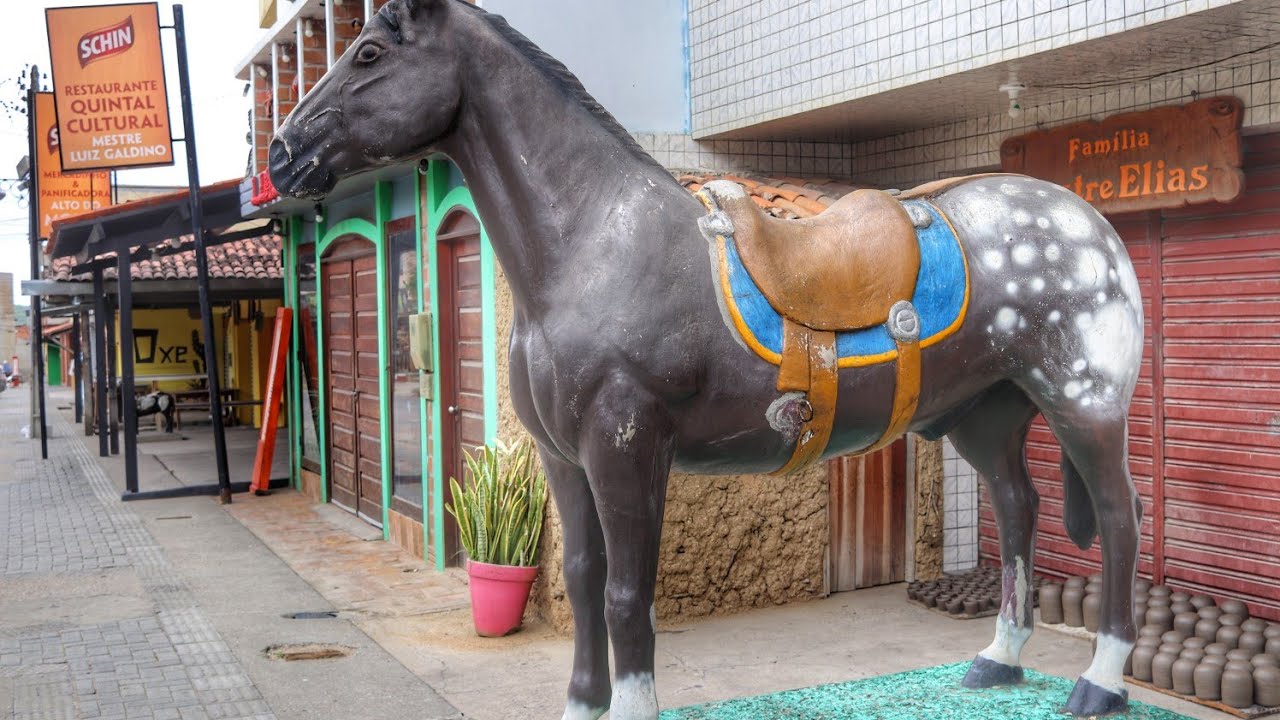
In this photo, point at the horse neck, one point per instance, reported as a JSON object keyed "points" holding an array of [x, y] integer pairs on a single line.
{"points": [[544, 172]]}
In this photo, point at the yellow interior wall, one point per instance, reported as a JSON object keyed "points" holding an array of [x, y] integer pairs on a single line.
{"points": [[172, 355], [240, 362]]}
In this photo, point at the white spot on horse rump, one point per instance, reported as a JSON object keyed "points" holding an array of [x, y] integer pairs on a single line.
{"points": [[1011, 287], [1009, 189], [1052, 252], [1107, 669], [1006, 319], [1055, 316], [1022, 217], [634, 696], [1068, 285], [1038, 375], [1101, 297], [1024, 254], [993, 259], [1041, 193], [1022, 323], [1072, 222], [1072, 389], [1084, 321], [1113, 275], [1037, 284], [1113, 342], [1042, 223], [1079, 365], [1091, 267]]}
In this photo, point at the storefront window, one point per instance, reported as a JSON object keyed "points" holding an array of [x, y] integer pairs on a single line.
{"points": [[406, 426], [308, 321]]}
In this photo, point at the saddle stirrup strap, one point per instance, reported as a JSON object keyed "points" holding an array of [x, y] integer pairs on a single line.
{"points": [[809, 365]]}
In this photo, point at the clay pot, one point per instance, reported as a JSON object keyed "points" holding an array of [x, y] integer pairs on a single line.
{"points": [[1184, 669], [1266, 685], [1239, 655], [1179, 607], [1051, 604], [1237, 684], [1095, 578], [1159, 591], [1235, 607], [1195, 643], [1179, 596], [1216, 648], [972, 606], [1219, 660], [1162, 669], [1201, 601], [1264, 659], [1273, 646], [955, 606], [1140, 615], [1160, 616], [1209, 612], [1208, 680], [1142, 586], [1142, 658], [1145, 630], [928, 598], [1076, 582], [1090, 608], [1230, 635], [1173, 637], [1207, 628], [1073, 605], [1272, 631], [1254, 624], [1253, 642]]}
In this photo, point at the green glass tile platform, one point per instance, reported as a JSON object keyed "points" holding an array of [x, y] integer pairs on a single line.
{"points": [[928, 694]]}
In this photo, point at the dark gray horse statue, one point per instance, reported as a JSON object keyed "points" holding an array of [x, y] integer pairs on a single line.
{"points": [[627, 362]]}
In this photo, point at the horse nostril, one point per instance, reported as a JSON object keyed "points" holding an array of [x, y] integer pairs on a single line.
{"points": [[277, 156]]}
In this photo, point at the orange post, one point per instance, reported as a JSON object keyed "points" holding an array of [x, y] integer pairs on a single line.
{"points": [[271, 403]]}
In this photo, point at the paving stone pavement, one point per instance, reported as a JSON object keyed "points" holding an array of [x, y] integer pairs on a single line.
{"points": [[64, 524]]}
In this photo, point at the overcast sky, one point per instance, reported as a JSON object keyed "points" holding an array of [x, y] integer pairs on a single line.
{"points": [[219, 34]]}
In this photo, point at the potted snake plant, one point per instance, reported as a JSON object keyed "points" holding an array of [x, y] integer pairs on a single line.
{"points": [[499, 514]]}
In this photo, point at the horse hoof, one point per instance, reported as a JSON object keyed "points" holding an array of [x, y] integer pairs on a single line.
{"points": [[985, 673], [1089, 700]]}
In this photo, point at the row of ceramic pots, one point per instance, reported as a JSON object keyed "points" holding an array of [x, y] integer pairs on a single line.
{"points": [[970, 593], [1192, 666]]}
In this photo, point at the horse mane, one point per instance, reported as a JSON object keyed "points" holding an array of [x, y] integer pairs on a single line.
{"points": [[561, 78]]}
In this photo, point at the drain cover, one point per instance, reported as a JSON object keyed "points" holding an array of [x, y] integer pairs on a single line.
{"points": [[307, 651], [312, 615]]}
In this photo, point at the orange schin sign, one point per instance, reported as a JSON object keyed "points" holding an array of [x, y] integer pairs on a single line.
{"points": [[108, 79], [271, 402], [63, 194]]}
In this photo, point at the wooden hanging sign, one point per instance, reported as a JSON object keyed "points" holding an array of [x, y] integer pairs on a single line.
{"points": [[1161, 158]]}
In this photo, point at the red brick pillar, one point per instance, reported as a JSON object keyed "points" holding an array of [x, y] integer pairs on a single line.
{"points": [[262, 109], [348, 19], [286, 91], [312, 60]]}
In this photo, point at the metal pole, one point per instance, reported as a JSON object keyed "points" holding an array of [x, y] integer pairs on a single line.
{"points": [[76, 375], [113, 399], [37, 321], [202, 261], [100, 359], [128, 406]]}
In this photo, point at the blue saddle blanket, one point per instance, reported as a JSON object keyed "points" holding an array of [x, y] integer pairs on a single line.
{"points": [[941, 298]]}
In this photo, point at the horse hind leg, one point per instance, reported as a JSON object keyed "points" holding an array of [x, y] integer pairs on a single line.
{"points": [[585, 570], [991, 438], [1095, 438]]}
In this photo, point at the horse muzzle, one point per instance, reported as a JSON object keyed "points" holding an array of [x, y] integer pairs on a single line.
{"points": [[299, 174]]}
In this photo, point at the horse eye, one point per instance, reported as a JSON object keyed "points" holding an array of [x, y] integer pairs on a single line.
{"points": [[368, 53]]}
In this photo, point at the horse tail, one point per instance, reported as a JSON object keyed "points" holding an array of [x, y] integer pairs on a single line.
{"points": [[1077, 508]]}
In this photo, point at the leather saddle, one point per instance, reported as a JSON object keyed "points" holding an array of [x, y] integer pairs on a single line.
{"points": [[854, 266]]}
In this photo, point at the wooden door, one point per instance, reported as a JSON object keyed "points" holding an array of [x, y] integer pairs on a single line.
{"points": [[461, 353], [350, 298], [868, 512]]}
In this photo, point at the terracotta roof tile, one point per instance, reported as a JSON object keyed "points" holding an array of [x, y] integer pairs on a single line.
{"points": [[243, 259], [784, 197]]}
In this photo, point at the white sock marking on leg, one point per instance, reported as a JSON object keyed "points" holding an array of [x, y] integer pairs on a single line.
{"points": [[634, 698], [578, 711], [1007, 646], [1107, 669]]}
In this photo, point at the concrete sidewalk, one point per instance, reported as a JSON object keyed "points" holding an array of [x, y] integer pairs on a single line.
{"points": [[160, 609]]}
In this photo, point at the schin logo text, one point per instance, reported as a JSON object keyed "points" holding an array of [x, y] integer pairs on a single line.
{"points": [[106, 42], [52, 138]]}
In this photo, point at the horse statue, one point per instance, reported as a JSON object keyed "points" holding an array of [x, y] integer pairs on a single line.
{"points": [[654, 330]]}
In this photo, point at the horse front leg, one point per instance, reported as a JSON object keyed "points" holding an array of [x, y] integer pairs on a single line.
{"points": [[585, 569], [627, 450]]}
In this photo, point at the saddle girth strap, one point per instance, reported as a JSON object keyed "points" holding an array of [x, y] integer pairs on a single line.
{"points": [[809, 365]]}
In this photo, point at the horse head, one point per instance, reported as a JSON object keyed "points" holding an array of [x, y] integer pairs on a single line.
{"points": [[404, 64]]}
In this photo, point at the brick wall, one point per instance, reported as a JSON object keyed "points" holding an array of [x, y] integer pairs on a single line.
{"points": [[345, 25], [313, 61], [286, 71], [262, 109]]}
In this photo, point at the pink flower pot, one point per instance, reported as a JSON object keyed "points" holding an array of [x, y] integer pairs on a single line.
{"points": [[498, 596]]}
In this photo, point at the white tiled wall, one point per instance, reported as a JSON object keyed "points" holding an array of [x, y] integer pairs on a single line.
{"points": [[959, 512], [756, 60], [906, 159]]}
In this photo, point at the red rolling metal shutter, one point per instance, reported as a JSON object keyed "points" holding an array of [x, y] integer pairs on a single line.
{"points": [[1221, 285], [1205, 422]]}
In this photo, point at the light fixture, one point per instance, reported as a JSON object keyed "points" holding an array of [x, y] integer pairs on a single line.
{"points": [[308, 28], [1014, 89], [284, 53], [262, 71], [319, 213]]}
